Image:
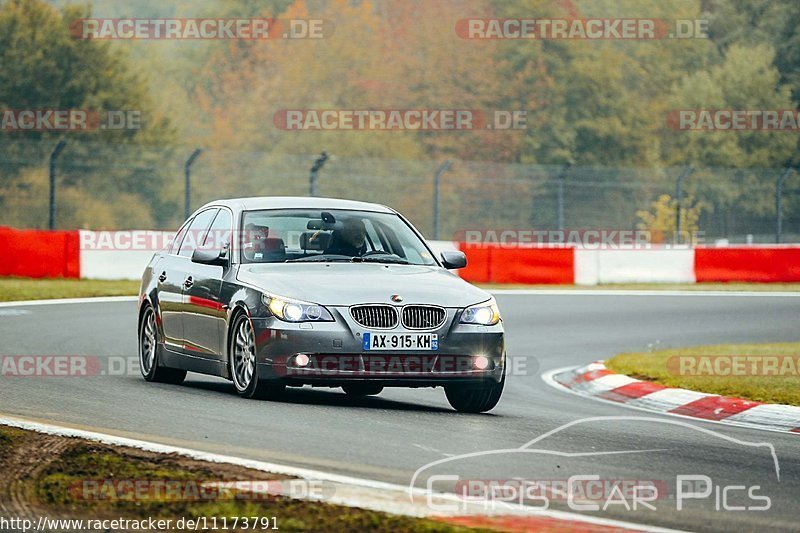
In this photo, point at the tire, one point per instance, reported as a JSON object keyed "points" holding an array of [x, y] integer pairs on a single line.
{"points": [[243, 367], [148, 353], [362, 389], [475, 398]]}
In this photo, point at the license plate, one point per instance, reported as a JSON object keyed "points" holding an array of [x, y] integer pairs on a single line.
{"points": [[400, 341]]}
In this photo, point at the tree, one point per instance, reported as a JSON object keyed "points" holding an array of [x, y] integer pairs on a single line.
{"points": [[45, 68], [753, 22]]}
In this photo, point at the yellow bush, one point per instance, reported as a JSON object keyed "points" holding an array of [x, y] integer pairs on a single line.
{"points": [[660, 220]]}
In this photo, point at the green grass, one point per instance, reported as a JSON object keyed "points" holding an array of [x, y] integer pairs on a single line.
{"points": [[57, 488], [792, 287], [8, 440], [13, 289], [5, 441], [656, 366]]}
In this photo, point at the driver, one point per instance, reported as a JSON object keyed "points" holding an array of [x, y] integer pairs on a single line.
{"points": [[350, 240]]}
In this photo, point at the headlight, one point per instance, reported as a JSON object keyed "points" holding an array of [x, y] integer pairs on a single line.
{"points": [[484, 314], [295, 310]]}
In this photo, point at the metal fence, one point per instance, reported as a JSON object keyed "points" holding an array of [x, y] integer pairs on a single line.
{"points": [[119, 186]]}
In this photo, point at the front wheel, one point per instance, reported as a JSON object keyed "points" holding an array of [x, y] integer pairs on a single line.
{"points": [[242, 360], [148, 353], [475, 398]]}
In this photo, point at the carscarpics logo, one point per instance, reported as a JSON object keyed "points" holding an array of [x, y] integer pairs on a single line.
{"points": [[523, 483]]}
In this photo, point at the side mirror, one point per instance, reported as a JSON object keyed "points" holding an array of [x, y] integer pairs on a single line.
{"points": [[210, 257], [453, 259]]}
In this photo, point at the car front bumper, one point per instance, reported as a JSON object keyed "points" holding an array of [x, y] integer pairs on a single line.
{"points": [[336, 356]]}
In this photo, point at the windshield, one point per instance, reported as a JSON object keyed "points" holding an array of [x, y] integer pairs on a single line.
{"points": [[304, 235]]}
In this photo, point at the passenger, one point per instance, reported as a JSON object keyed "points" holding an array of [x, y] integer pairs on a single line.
{"points": [[253, 241]]}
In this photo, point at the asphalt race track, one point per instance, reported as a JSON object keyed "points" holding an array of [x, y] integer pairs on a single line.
{"points": [[391, 436]]}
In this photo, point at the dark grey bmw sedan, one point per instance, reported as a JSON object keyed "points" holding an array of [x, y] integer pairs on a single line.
{"points": [[279, 291]]}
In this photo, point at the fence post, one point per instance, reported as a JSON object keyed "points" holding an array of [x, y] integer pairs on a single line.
{"points": [[778, 207], [678, 199], [437, 180], [53, 156], [560, 198], [187, 173], [312, 177]]}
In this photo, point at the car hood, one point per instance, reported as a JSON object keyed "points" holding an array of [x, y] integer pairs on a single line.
{"points": [[342, 284]]}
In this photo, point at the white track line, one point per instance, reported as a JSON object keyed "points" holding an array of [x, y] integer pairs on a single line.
{"points": [[547, 377], [653, 292], [57, 301], [350, 491]]}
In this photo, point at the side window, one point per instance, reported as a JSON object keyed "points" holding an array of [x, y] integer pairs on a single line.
{"points": [[197, 232], [219, 234], [176, 243]]}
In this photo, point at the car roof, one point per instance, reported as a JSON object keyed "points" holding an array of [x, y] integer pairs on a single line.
{"points": [[297, 202]]}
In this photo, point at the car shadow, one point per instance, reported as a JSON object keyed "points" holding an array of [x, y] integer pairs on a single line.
{"points": [[339, 398], [332, 397]]}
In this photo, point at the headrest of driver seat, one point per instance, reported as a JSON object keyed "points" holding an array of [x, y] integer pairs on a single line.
{"points": [[274, 250], [274, 244], [314, 240]]}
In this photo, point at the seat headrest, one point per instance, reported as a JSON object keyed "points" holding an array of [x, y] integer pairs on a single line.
{"points": [[272, 244], [273, 250], [314, 240]]}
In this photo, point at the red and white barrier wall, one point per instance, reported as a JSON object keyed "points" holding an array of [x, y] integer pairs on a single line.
{"points": [[496, 263], [124, 254], [39, 254], [594, 267], [767, 264], [119, 254]]}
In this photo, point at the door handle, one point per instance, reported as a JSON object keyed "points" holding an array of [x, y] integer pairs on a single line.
{"points": [[163, 277], [188, 283]]}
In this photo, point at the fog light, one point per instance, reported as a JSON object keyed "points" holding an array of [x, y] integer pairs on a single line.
{"points": [[301, 360], [481, 362]]}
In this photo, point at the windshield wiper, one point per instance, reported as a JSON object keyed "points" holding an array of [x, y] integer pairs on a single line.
{"points": [[372, 257], [323, 258], [381, 258]]}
